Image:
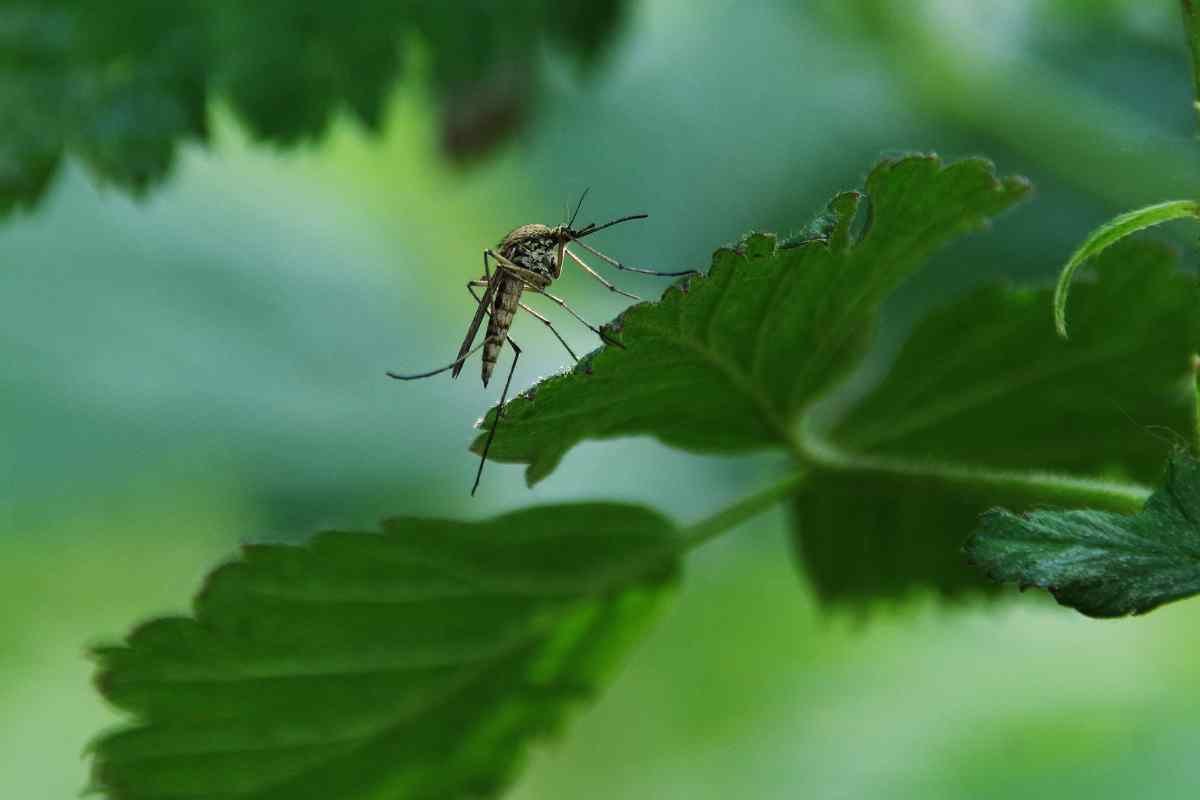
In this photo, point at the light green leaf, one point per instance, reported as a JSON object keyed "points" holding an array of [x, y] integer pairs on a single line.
{"points": [[416, 663], [1108, 234], [984, 389], [728, 361], [1104, 565]]}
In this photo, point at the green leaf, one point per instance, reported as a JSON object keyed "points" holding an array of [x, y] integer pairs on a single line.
{"points": [[983, 391], [123, 84], [1191, 24], [727, 362], [418, 663], [1104, 565], [986, 382], [866, 534], [1108, 234]]}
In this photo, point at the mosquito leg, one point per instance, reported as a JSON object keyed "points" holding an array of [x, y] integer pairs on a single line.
{"points": [[533, 279], [472, 285], [575, 314], [550, 325], [439, 370], [619, 265], [486, 272], [598, 276], [487, 445]]}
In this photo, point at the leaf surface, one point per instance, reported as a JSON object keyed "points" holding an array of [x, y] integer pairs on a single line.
{"points": [[416, 663], [985, 381], [1103, 564], [985, 384], [727, 362]]}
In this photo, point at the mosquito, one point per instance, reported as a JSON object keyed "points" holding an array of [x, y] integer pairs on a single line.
{"points": [[528, 259]]}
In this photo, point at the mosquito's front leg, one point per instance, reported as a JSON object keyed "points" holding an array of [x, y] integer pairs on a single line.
{"points": [[598, 276], [533, 279], [619, 265]]}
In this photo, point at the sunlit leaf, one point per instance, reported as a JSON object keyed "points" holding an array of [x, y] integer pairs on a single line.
{"points": [[416, 663], [1104, 565], [726, 362]]}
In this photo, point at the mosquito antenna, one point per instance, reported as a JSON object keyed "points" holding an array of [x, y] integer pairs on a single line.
{"points": [[577, 207], [499, 410], [440, 370], [591, 228]]}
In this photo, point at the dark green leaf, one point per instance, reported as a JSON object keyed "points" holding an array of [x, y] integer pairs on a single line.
{"points": [[986, 384], [862, 535], [123, 84], [726, 362], [418, 663], [1104, 565]]}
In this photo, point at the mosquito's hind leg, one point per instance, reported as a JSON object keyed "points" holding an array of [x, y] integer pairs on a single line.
{"points": [[487, 445], [619, 265], [439, 370]]}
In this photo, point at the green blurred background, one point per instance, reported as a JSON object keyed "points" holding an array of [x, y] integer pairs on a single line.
{"points": [[205, 366]]}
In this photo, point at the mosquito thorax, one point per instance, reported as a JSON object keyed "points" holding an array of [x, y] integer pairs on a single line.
{"points": [[536, 247]]}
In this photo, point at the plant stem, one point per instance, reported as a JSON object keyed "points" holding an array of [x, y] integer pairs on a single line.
{"points": [[1067, 491], [1191, 25], [1048, 488], [1196, 412], [710, 527]]}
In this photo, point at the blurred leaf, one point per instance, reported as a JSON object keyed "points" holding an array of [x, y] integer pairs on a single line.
{"points": [[861, 535], [418, 663], [1108, 234], [1104, 565], [120, 87], [728, 361], [986, 383], [123, 84], [1191, 24]]}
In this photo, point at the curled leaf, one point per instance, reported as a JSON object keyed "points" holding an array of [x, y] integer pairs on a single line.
{"points": [[1108, 234]]}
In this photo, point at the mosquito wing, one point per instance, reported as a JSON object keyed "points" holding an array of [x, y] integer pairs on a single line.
{"points": [[484, 303]]}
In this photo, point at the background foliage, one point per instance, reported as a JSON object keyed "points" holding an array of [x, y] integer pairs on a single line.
{"points": [[204, 365]]}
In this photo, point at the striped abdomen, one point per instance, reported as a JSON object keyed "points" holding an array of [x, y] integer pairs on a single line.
{"points": [[504, 306]]}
